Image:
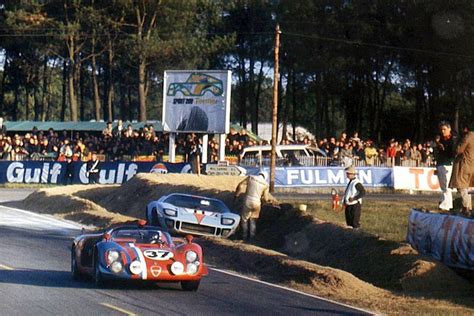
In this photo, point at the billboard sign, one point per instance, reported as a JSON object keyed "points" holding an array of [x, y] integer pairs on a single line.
{"points": [[196, 101]]}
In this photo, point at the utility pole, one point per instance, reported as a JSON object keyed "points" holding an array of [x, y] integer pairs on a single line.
{"points": [[276, 80]]}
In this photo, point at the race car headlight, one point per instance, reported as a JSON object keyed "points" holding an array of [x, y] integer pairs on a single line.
{"points": [[135, 267], [169, 212], [191, 256], [227, 221], [113, 255], [177, 268], [192, 268], [116, 267]]}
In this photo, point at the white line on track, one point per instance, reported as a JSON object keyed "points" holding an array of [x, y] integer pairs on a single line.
{"points": [[10, 216], [291, 290], [124, 311], [4, 267]]}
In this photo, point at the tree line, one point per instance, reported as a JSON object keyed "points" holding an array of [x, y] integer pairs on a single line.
{"points": [[386, 69]]}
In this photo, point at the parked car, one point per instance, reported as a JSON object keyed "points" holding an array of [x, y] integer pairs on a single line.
{"points": [[286, 155]]}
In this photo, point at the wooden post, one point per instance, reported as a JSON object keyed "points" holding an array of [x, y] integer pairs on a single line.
{"points": [[276, 80]]}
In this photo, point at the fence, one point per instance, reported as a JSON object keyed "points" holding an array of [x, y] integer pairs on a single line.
{"points": [[253, 161], [319, 161]]}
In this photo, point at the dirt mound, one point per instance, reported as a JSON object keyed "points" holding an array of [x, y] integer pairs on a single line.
{"points": [[384, 263], [279, 268], [428, 277], [63, 202], [132, 197]]}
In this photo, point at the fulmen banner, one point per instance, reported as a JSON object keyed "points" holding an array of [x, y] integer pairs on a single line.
{"points": [[196, 101], [288, 177]]}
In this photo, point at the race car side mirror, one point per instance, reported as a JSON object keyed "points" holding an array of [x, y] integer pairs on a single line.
{"points": [[107, 236], [189, 239]]}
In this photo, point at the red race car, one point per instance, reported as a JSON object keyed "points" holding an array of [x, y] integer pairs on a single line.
{"points": [[138, 252]]}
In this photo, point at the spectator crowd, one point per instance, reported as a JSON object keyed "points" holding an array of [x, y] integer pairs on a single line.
{"points": [[120, 142]]}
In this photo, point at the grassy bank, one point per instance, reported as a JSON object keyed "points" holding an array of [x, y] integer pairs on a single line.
{"points": [[387, 219]]}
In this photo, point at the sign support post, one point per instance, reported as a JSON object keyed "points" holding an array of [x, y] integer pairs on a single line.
{"points": [[205, 149]]}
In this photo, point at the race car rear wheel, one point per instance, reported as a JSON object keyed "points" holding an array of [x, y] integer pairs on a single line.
{"points": [[76, 275], [190, 285]]}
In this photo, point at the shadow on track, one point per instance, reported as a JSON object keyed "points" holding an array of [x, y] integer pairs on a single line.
{"points": [[63, 279]]}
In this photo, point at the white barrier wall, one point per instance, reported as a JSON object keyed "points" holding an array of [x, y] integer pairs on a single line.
{"points": [[415, 178]]}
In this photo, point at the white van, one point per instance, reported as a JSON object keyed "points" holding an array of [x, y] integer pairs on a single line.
{"points": [[286, 155]]}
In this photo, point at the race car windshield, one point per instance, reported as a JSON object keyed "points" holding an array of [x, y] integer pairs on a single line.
{"points": [[197, 203], [141, 236]]}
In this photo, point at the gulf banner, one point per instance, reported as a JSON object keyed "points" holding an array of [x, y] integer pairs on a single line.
{"points": [[417, 179], [446, 238], [55, 172]]}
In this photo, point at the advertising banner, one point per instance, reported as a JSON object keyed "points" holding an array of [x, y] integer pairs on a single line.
{"points": [[196, 101], [414, 178], [327, 176], [55, 172], [446, 238]]}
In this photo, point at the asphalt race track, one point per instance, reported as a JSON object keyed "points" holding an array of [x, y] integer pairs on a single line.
{"points": [[35, 280]]}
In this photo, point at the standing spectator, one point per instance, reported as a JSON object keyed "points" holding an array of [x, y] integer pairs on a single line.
{"points": [[346, 155], [233, 135], [353, 195], [7, 153], [3, 128], [463, 171], [445, 152], [370, 153], [195, 155], [415, 155], [343, 137], [359, 151], [243, 137], [107, 132], [256, 190], [118, 130], [391, 152], [69, 170], [93, 169], [355, 137]]}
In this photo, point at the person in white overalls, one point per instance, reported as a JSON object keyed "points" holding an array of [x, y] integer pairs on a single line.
{"points": [[257, 190]]}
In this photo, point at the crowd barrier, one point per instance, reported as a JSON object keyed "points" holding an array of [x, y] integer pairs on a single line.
{"points": [[446, 238]]}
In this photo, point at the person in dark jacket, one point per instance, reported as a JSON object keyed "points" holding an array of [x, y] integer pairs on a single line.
{"points": [[69, 176], [445, 151], [93, 169]]}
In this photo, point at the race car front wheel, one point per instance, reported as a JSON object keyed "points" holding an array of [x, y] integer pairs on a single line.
{"points": [[190, 285], [75, 273], [98, 278]]}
